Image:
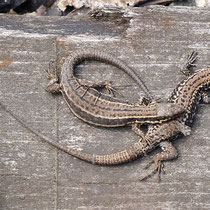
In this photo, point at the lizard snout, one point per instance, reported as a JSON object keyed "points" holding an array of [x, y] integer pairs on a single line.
{"points": [[169, 110]]}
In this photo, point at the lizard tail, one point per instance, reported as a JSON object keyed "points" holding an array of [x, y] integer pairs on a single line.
{"points": [[104, 57], [124, 156], [131, 153]]}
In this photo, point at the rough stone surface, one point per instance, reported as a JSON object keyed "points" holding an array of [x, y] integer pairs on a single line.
{"points": [[154, 41]]}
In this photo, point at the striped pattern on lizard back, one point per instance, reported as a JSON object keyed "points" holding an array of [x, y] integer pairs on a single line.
{"points": [[103, 110], [189, 90]]}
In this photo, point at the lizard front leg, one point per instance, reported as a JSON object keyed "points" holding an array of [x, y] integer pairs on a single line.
{"points": [[140, 133], [191, 59], [169, 153]]}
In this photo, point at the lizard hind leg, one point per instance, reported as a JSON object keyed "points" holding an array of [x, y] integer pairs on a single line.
{"points": [[169, 152], [100, 85]]}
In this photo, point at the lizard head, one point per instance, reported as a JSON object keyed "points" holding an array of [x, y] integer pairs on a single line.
{"points": [[169, 110]]}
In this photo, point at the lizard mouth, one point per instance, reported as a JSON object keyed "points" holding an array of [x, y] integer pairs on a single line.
{"points": [[169, 110]]}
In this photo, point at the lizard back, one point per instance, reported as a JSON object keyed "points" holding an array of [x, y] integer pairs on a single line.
{"points": [[103, 110], [186, 94]]}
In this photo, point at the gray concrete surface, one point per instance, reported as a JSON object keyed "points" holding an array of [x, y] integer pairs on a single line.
{"points": [[155, 42]]}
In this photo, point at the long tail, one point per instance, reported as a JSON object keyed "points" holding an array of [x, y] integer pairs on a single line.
{"points": [[104, 57], [124, 156]]}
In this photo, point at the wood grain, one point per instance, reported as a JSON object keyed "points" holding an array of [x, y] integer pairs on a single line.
{"points": [[154, 41]]}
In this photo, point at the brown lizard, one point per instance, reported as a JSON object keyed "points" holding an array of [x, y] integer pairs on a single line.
{"points": [[186, 95], [99, 109]]}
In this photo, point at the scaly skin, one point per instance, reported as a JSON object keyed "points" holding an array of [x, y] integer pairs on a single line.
{"points": [[186, 95], [99, 109]]}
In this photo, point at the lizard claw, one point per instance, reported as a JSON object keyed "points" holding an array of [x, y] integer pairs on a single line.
{"points": [[191, 59], [104, 84], [169, 153], [159, 167], [53, 86], [111, 90], [49, 74]]}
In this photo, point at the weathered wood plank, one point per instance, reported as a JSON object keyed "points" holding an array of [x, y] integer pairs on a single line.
{"points": [[153, 41], [27, 168]]}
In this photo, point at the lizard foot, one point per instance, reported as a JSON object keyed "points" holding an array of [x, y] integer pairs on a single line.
{"points": [[49, 74], [169, 152], [100, 85], [111, 90], [53, 86], [191, 59], [158, 168]]}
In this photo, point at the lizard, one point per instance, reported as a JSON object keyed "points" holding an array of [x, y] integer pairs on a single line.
{"points": [[156, 135], [187, 95], [96, 108]]}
